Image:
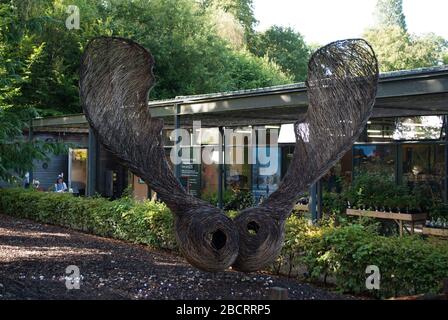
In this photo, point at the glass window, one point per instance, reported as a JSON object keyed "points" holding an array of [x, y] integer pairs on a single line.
{"points": [[210, 174], [380, 130], [237, 155], [209, 136], [266, 172], [424, 166], [166, 138], [287, 155], [238, 176], [77, 175], [374, 158], [403, 128], [418, 128]]}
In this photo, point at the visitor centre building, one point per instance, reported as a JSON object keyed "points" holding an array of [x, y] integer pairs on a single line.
{"points": [[405, 138]]}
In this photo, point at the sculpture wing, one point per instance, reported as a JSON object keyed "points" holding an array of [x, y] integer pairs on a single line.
{"points": [[342, 85], [115, 78]]}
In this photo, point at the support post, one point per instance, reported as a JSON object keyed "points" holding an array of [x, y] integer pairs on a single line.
{"points": [[445, 128], [92, 154], [221, 168], [399, 164], [30, 139], [319, 200], [313, 202], [177, 167]]}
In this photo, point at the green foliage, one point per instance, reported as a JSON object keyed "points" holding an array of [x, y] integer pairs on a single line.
{"points": [[191, 57], [398, 50], [389, 13], [408, 265], [395, 47], [212, 197], [333, 203], [439, 211], [146, 222], [286, 48], [377, 191], [39, 60], [298, 232], [242, 10], [232, 199], [239, 200]]}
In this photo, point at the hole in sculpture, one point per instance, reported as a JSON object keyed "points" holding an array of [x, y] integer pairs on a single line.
{"points": [[252, 228], [218, 240]]}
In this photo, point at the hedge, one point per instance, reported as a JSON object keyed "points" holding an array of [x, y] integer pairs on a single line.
{"points": [[409, 265], [146, 222]]}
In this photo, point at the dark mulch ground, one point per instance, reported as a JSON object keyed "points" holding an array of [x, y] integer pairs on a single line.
{"points": [[33, 259]]}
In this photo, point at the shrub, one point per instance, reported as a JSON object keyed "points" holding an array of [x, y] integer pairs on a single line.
{"points": [[147, 222], [233, 199], [409, 265], [298, 232], [333, 203]]}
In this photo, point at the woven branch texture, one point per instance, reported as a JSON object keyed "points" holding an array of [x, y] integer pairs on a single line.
{"points": [[342, 85], [115, 79]]}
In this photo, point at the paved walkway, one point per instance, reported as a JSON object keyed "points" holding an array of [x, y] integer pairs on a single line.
{"points": [[34, 257]]}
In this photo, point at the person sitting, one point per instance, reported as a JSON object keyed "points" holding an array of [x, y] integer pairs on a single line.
{"points": [[60, 185]]}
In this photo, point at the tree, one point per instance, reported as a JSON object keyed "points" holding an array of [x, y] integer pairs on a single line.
{"points": [[286, 48], [39, 59], [398, 50], [242, 10], [192, 50], [445, 57], [229, 29], [395, 47], [389, 13], [16, 152]]}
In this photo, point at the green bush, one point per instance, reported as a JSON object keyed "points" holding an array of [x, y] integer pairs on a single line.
{"points": [[409, 265], [333, 203], [376, 191], [233, 199], [147, 222]]}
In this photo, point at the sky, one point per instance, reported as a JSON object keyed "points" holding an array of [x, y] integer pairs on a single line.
{"points": [[323, 21]]}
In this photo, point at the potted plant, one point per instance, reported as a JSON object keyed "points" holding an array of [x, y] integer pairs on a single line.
{"points": [[379, 202], [389, 204]]}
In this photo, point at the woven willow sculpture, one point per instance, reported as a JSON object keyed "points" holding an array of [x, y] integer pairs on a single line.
{"points": [[115, 79]]}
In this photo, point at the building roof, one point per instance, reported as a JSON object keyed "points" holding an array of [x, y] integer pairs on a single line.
{"points": [[400, 93]]}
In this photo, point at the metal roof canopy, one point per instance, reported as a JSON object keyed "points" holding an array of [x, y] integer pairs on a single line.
{"points": [[401, 93]]}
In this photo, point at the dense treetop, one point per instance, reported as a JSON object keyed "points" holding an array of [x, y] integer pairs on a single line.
{"points": [[200, 46]]}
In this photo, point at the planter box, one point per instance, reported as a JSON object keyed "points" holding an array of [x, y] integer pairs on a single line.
{"points": [[439, 232], [388, 215], [302, 207], [399, 218]]}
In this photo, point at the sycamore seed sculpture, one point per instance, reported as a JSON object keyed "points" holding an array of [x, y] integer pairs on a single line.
{"points": [[115, 79]]}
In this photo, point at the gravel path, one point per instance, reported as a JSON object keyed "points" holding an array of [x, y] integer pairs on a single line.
{"points": [[34, 257]]}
